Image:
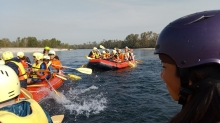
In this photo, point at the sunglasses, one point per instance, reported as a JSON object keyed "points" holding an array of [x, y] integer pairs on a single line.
{"points": [[50, 54]]}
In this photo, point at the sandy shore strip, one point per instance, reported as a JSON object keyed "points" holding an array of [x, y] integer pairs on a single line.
{"points": [[25, 50]]}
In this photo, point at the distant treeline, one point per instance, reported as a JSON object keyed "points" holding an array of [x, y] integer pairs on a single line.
{"points": [[33, 42], [144, 40]]}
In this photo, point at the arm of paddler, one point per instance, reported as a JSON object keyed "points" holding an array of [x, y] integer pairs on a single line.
{"points": [[40, 73], [57, 65]]}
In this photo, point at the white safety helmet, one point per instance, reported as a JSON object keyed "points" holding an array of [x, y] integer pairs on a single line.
{"points": [[51, 52], [46, 57], [114, 51], [103, 52], [20, 54], [94, 48], [9, 83]]}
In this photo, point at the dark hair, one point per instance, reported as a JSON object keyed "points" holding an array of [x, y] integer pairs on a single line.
{"points": [[204, 105], [45, 51], [56, 57]]}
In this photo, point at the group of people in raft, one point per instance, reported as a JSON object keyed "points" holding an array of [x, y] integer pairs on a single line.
{"points": [[188, 49], [116, 55], [16, 72]]}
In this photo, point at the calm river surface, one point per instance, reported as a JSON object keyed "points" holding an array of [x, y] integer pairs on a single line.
{"points": [[122, 96]]}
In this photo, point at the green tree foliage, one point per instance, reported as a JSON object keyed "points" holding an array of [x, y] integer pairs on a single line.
{"points": [[33, 42], [144, 40]]}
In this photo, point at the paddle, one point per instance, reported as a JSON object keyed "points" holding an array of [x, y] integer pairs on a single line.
{"points": [[82, 70], [61, 77], [132, 65], [57, 118], [26, 93], [53, 88], [36, 85], [73, 77], [102, 47], [89, 57], [64, 77], [139, 61]]}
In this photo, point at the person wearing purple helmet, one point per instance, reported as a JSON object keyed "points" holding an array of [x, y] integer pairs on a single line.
{"points": [[189, 49]]}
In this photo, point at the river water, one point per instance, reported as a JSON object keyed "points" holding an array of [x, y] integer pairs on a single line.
{"points": [[128, 95]]}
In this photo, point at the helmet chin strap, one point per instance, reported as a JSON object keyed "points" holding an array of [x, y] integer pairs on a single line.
{"points": [[185, 91]]}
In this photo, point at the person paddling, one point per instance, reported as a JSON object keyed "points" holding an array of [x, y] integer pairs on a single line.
{"points": [[93, 53], [15, 64], [55, 62], [25, 61], [34, 76], [46, 65], [28, 111], [189, 51]]}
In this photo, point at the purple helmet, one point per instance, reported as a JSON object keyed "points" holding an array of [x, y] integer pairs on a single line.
{"points": [[192, 40]]}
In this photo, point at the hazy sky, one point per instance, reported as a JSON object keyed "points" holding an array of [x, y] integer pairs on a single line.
{"points": [[82, 21]]}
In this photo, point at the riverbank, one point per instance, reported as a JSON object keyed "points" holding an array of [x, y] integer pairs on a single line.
{"points": [[25, 50]]}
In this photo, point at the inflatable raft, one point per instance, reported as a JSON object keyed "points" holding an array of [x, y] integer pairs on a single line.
{"points": [[40, 90], [109, 65]]}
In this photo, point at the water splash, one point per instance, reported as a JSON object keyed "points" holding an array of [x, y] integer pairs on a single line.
{"points": [[82, 101]]}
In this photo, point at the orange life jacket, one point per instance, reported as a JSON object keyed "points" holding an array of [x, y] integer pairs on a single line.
{"points": [[22, 73], [56, 64], [24, 63], [121, 56]]}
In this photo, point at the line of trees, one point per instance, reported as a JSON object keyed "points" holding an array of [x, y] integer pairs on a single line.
{"points": [[144, 40], [33, 42]]}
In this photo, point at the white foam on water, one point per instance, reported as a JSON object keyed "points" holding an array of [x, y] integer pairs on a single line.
{"points": [[81, 101]]}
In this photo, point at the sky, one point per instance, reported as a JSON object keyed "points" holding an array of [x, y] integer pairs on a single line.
{"points": [[83, 21]]}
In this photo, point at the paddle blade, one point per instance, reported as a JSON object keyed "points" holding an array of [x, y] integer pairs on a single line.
{"points": [[138, 61], [74, 77], [102, 47], [57, 118], [132, 65], [84, 70]]}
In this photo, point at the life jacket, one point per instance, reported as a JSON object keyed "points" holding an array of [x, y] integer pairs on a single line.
{"points": [[56, 64], [37, 115], [107, 55], [46, 73], [24, 63], [103, 55], [121, 56], [92, 54], [22, 73], [35, 68], [126, 55], [96, 55]]}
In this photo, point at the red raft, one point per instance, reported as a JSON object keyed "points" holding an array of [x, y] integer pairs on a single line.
{"points": [[40, 90], [108, 65]]}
